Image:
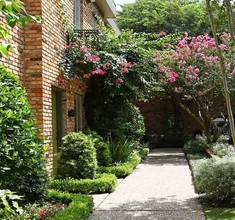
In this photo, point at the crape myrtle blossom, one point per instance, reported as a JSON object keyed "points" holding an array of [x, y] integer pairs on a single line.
{"points": [[190, 75], [193, 66]]}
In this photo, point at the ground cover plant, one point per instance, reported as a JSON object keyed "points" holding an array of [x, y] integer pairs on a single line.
{"points": [[214, 179], [103, 183], [126, 168]]}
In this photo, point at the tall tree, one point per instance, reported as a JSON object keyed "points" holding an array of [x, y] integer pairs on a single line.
{"points": [[164, 15], [170, 16]]}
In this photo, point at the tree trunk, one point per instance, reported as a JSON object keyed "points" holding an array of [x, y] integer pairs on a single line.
{"points": [[223, 72]]}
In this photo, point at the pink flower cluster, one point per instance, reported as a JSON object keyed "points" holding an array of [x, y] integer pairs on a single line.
{"points": [[126, 66], [119, 80], [94, 72], [84, 49], [93, 58], [173, 77]]}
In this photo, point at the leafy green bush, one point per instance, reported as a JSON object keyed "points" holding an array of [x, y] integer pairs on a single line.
{"points": [[121, 150], [197, 145], [129, 123], [77, 157], [143, 152], [9, 205], [221, 149], [102, 149], [215, 177], [20, 148], [103, 183], [79, 208], [124, 169], [114, 116]]}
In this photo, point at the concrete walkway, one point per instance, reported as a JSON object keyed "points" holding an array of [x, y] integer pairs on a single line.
{"points": [[160, 188]]}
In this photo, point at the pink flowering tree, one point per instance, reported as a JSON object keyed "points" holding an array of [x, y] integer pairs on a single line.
{"points": [[190, 76]]}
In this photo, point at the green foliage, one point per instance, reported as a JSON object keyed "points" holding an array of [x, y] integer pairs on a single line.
{"points": [[222, 149], [101, 184], [215, 177], [103, 154], [143, 152], [122, 150], [124, 169], [220, 213], [9, 205], [14, 13], [20, 148], [197, 145], [179, 16], [112, 115], [35, 211], [79, 206], [77, 157]]}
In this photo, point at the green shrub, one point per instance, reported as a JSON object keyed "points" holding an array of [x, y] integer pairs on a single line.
{"points": [[129, 123], [9, 205], [79, 208], [215, 177], [197, 145], [103, 183], [121, 150], [20, 148], [143, 152], [113, 115], [124, 169], [222, 149], [102, 149], [77, 157], [223, 139]]}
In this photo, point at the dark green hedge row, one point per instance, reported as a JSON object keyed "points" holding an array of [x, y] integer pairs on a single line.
{"points": [[126, 168], [102, 183], [79, 208]]}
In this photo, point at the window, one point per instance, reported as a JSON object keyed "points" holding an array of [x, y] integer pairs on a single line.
{"points": [[77, 14], [78, 102], [94, 22]]}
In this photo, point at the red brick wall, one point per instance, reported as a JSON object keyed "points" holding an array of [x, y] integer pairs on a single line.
{"points": [[15, 61], [88, 10], [39, 48], [158, 112]]}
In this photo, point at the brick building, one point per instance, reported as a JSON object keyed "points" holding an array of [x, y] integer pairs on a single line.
{"points": [[57, 103]]}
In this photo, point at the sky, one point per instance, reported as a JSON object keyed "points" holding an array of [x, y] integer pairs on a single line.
{"points": [[120, 2]]}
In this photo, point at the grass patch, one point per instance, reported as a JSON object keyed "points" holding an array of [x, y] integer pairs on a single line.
{"points": [[220, 213], [103, 183]]}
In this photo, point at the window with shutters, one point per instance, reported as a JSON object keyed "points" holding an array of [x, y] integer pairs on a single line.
{"points": [[77, 14]]}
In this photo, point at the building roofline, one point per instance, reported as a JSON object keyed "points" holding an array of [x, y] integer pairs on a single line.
{"points": [[107, 7]]}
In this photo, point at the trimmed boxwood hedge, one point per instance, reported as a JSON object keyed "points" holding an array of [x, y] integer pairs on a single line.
{"points": [[102, 183], [79, 207], [126, 168]]}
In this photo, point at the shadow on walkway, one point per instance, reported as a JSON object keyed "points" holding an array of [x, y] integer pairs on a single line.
{"points": [[160, 188]]}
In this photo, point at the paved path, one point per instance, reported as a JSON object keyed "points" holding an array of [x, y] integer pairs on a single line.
{"points": [[159, 189]]}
